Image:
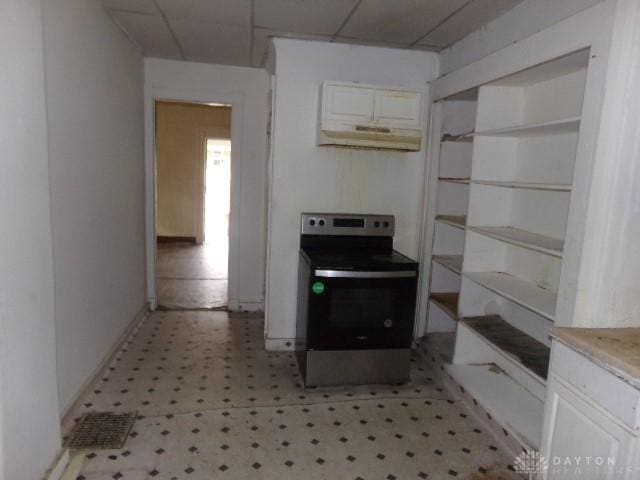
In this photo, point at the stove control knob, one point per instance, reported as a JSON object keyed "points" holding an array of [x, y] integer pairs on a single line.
{"points": [[321, 222], [312, 222], [388, 323], [376, 224], [386, 224]]}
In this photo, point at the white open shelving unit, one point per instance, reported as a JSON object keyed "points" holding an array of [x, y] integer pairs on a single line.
{"points": [[505, 184], [456, 150]]}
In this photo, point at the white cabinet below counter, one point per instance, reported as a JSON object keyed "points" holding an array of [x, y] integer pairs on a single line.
{"points": [[591, 421], [358, 115]]}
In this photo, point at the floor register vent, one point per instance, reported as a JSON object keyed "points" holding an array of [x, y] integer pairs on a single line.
{"points": [[101, 430]]}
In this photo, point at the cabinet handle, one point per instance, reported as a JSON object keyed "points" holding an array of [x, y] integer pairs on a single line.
{"points": [[362, 128]]}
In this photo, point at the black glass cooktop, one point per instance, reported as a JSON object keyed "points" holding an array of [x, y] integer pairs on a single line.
{"points": [[357, 259]]}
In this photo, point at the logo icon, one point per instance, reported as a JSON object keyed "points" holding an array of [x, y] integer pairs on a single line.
{"points": [[531, 463]]}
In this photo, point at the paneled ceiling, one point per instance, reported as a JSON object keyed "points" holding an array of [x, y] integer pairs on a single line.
{"points": [[237, 32]]}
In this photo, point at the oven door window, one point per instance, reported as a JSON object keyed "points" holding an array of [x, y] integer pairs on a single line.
{"points": [[361, 313]]}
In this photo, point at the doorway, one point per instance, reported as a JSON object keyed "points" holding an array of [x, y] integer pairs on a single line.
{"points": [[193, 183]]}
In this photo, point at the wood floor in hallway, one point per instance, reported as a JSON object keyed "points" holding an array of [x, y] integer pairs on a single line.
{"points": [[192, 276]]}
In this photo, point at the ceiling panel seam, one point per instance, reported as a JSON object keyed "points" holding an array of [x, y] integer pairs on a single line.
{"points": [[173, 34], [346, 20], [443, 21]]}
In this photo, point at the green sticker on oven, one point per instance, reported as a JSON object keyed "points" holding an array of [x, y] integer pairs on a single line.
{"points": [[318, 288]]}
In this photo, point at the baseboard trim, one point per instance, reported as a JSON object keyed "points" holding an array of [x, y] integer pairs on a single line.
{"points": [[500, 432], [280, 344], [240, 306], [167, 239], [108, 359], [58, 466]]}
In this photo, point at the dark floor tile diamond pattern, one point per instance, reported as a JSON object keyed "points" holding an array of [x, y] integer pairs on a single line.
{"points": [[311, 434]]}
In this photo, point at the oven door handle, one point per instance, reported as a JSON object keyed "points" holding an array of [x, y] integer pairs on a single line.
{"points": [[364, 274]]}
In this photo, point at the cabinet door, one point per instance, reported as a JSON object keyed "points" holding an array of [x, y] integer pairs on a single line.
{"points": [[348, 104], [582, 441], [398, 108]]}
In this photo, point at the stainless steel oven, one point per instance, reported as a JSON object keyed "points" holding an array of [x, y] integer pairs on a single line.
{"points": [[356, 301]]}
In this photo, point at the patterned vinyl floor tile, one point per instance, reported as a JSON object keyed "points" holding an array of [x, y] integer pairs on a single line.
{"points": [[214, 404]]}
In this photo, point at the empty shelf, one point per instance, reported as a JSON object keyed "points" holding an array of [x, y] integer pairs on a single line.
{"points": [[506, 400], [463, 181], [553, 127], [523, 238], [447, 301], [527, 294], [458, 221], [452, 262], [532, 354], [462, 137], [558, 187]]}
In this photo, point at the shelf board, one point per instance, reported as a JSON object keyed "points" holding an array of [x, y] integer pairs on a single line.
{"points": [[523, 238], [558, 187], [527, 294], [553, 127], [458, 221], [532, 354], [464, 181], [452, 262], [461, 137], [504, 398], [447, 301]]}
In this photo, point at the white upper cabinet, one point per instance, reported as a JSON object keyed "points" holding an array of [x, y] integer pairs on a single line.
{"points": [[368, 116], [398, 108], [349, 104]]}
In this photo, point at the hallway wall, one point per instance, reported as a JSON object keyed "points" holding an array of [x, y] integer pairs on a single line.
{"points": [[94, 87], [180, 163], [29, 421]]}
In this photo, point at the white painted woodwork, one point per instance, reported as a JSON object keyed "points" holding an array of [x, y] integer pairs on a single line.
{"points": [[523, 238], [506, 400], [455, 159], [398, 108], [473, 348], [526, 140], [459, 116], [443, 279], [353, 114], [518, 290], [559, 187], [478, 300], [589, 413], [452, 199], [458, 221], [438, 319], [447, 239], [452, 262], [351, 104]]}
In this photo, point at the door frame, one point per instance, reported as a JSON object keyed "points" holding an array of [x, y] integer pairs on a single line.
{"points": [[151, 96]]}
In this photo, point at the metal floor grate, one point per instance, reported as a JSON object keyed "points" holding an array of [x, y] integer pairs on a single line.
{"points": [[101, 430]]}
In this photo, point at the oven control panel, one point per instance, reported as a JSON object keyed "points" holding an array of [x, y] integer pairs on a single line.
{"points": [[347, 224]]}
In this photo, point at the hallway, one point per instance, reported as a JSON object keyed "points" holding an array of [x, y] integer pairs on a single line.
{"points": [[192, 276], [212, 403]]}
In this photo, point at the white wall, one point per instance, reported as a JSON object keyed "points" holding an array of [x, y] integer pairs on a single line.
{"points": [[305, 177], [247, 90], [523, 20], [94, 87], [29, 421]]}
